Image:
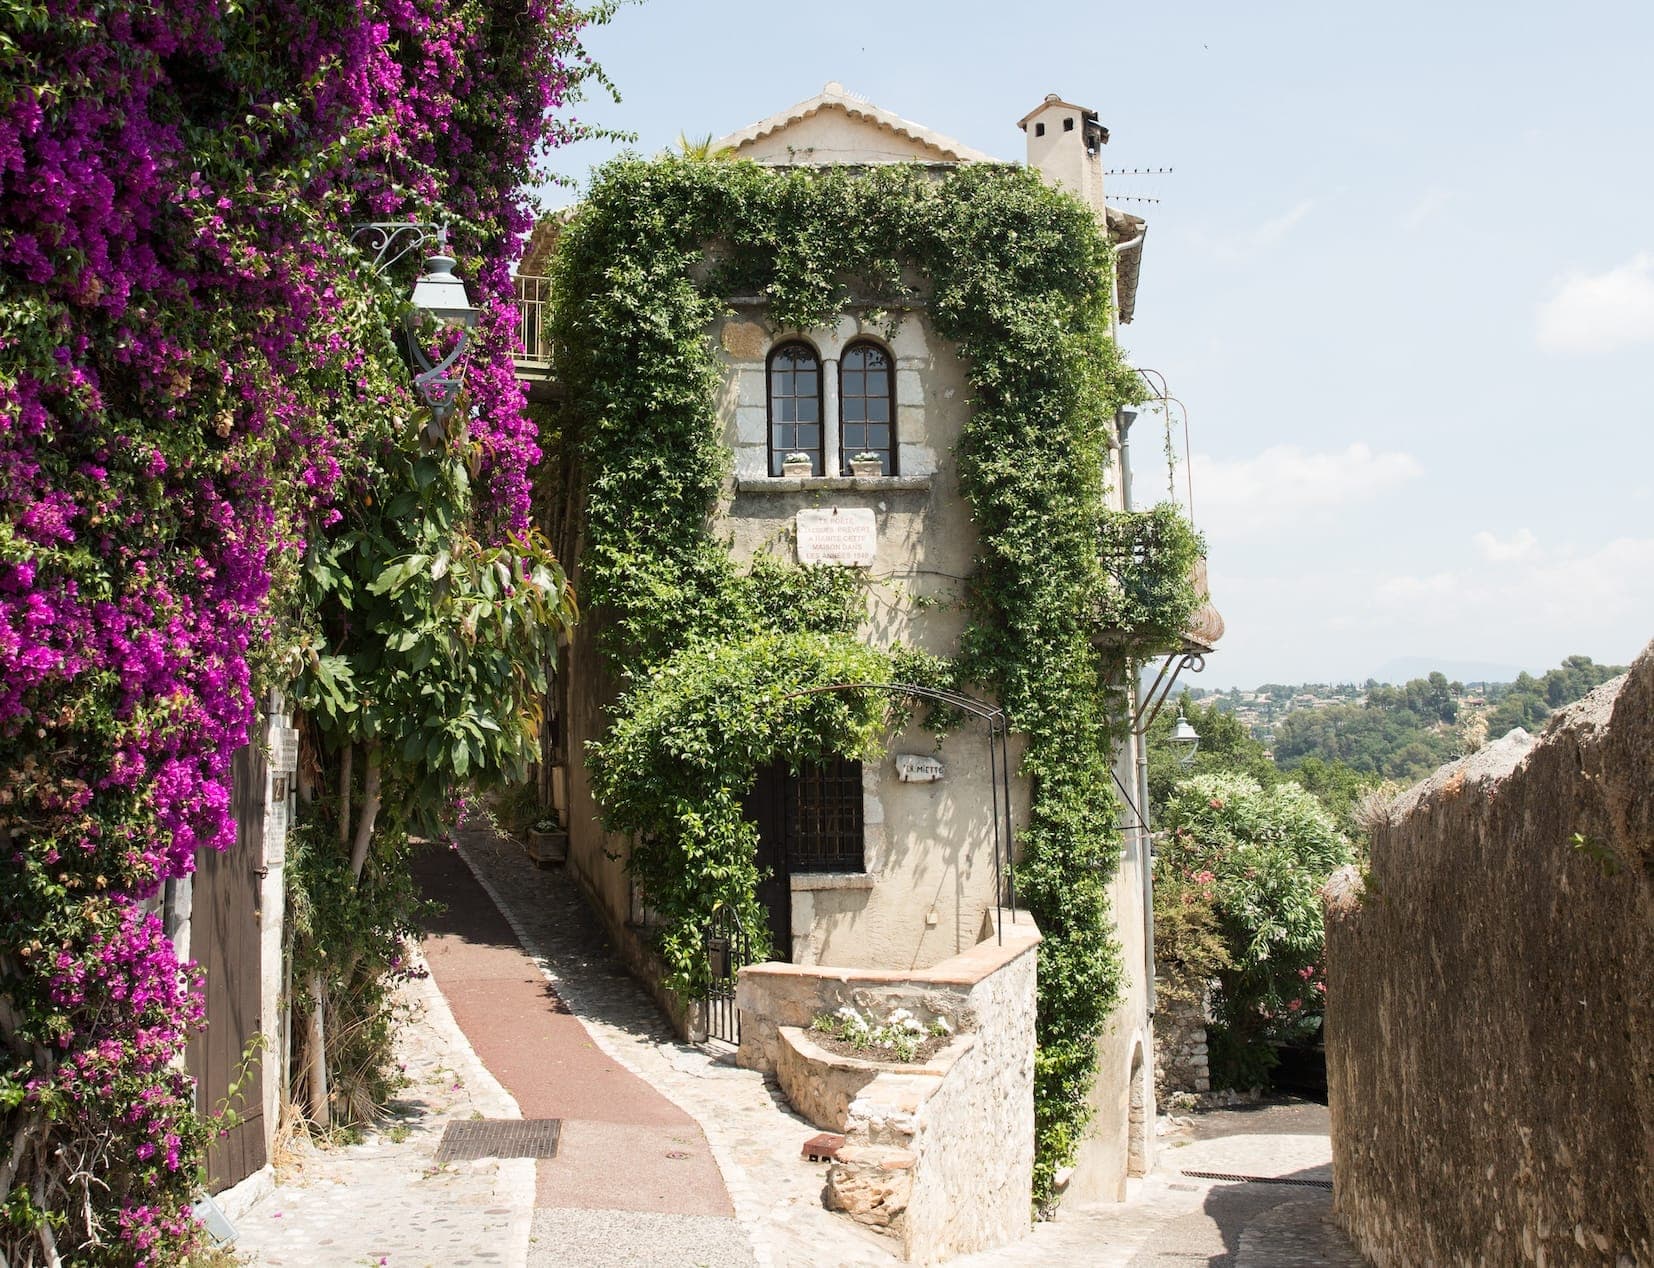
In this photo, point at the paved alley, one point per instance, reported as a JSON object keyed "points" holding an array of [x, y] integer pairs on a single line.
{"points": [[670, 1155]]}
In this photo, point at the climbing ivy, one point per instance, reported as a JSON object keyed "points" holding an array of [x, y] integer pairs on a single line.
{"points": [[1017, 276]]}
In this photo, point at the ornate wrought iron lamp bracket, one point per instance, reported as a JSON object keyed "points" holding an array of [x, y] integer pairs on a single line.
{"points": [[1160, 690]]}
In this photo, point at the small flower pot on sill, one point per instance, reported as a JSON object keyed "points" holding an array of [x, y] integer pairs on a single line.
{"points": [[865, 468], [797, 469]]}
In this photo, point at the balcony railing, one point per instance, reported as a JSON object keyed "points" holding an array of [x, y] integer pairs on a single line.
{"points": [[534, 349]]}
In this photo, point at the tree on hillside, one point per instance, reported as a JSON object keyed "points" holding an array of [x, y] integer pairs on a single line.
{"points": [[1528, 701], [1397, 733]]}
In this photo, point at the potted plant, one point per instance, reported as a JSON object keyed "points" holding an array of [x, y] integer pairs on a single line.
{"points": [[797, 466], [866, 464], [547, 842]]}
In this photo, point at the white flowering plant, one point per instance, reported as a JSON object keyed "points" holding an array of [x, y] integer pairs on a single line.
{"points": [[900, 1034]]}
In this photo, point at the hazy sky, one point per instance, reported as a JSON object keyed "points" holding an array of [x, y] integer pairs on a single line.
{"points": [[1402, 275]]}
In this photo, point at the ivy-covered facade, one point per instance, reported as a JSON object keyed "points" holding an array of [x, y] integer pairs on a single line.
{"points": [[845, 414]]}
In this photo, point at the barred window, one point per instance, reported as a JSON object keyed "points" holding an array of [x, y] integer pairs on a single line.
{"points": [[867, 407], [823, 823], [795, 406]]}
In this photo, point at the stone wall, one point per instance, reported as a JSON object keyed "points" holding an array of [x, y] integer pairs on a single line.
{"points": [[1490, 1003], [942, 1155], [1180, 1054]]}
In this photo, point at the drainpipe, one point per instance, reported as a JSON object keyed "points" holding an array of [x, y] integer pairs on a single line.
{"points": [[1124, 421]]}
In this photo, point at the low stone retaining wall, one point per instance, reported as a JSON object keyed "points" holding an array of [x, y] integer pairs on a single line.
{"points": [[939, 1154]]}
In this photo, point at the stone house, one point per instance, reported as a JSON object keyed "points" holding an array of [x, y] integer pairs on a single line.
{"points": [[843, 439]]}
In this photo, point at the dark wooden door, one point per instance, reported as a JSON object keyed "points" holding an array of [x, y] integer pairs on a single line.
{"points": [[766, 805], [224, 940]]}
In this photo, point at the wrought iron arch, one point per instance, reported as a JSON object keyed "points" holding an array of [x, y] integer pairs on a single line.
{"points": [[999, 767]]}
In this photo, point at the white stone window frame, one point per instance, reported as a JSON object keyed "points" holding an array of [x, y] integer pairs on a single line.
{"points": [[910, 354]]}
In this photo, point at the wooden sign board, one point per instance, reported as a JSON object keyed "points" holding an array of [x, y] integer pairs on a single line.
{"points": [[847, 537]]}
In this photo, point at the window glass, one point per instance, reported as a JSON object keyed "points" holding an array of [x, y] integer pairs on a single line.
{"points": [[866, 407], [795, 406]]}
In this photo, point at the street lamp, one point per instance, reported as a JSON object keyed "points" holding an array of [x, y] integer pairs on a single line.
{"points": [[438, 296], [1185, 739]]}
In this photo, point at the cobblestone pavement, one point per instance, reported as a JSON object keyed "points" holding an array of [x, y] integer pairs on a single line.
{"points": [[385, 1201], [754, 1136], [1170, 1218]]}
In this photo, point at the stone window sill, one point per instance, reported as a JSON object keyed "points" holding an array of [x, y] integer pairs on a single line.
{"points": [[833, 880], [833, 484]]}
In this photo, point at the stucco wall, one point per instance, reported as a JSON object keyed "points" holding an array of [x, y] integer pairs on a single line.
{"points": [[1490, 1013], [929, 863]]}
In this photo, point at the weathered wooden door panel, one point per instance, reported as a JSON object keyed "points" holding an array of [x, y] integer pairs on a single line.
{"points": [[224, 940]]}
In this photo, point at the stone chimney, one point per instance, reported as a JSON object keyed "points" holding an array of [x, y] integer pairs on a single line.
{"points": [[1065, 146]]}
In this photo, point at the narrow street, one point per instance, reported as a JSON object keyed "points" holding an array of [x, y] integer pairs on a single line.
{"points": [[669, 1155]]}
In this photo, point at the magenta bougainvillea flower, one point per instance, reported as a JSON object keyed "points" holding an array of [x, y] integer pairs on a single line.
{"points": [[194, 364]]}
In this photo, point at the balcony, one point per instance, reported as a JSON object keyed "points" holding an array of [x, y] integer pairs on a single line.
{"points": [[1155, 560], [533, 355]]}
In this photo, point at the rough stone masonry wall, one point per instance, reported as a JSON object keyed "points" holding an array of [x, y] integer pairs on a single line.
{"points": [[1181, 1061], [966, 1138], [1490, 1003]]}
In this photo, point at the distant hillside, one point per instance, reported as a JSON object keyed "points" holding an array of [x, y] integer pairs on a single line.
{"points": [[1404, 669], [1402, 732]]}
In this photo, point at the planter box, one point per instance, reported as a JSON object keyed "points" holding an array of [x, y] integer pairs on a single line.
{"points": [[864, 470], [797, 470], [546, 848]]}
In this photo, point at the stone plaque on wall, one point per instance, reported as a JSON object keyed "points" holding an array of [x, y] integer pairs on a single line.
{"points": [[845, 536], [913, 768]]}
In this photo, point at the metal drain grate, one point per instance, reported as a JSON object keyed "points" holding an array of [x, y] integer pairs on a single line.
{"points": [[1223, 1175], [499, 1138]]}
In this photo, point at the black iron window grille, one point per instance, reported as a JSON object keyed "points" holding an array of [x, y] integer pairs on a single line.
{"points": [[824, 818]]}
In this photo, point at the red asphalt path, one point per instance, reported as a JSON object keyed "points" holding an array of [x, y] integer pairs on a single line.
{"points": [[624, 1146]]}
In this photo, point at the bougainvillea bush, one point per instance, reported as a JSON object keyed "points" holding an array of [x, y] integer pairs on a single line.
{"points": [[198, 390]]}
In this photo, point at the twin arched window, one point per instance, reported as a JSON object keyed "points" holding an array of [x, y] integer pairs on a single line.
{"points": [[866, 421]]}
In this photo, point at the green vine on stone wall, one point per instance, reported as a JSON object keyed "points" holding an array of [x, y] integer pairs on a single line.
{"points": [[1016, 275]]}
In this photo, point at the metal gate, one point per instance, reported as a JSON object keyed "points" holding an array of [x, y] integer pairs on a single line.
{"points": [[727, 949]]}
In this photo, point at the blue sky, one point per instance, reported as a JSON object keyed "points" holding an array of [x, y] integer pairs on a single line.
{"points": [[1402, 275]]}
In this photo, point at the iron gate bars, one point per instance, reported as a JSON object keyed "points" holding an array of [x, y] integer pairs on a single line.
{"points": [[728, 949], [999, 768]]}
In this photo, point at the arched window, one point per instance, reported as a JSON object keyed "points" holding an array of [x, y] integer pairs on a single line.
{"points": [[795, 406], [867, 405]]}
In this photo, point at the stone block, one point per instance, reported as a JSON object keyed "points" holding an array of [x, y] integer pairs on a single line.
{"points": [[910, 424], [751, 386], [909, 341], [910, 387], [745, 340], [752, 425], [916, 460], [871, 1184], [752, 462]]}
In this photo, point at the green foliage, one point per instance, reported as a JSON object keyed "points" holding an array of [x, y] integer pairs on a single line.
{"points": [[1261, 856], [685, 750], [428, 652], [1396, 732], [1528, 701], [1226, 747], [1016, 275], [352, 937]]}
